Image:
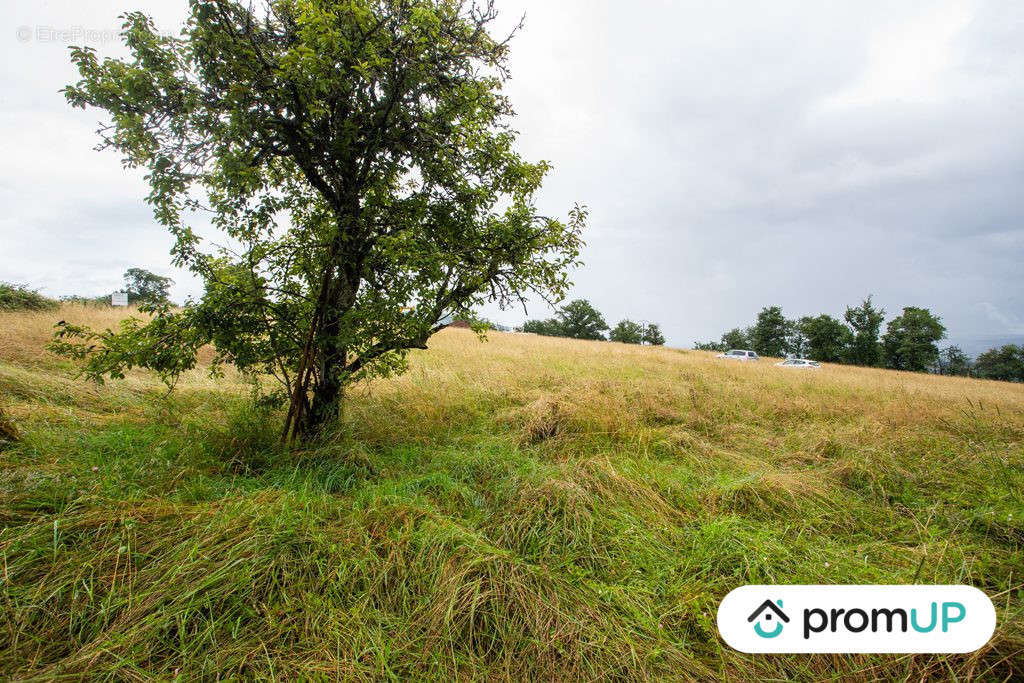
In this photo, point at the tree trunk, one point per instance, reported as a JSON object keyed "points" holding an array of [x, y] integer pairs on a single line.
{"points": [[331, 363], [326, 350], [325, 410]]}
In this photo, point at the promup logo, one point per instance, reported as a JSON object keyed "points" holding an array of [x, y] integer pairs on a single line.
{"points": [[856, 619], [766, 612]]}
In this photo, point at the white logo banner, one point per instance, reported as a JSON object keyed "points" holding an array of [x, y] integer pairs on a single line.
{"points": [[911, 619]]}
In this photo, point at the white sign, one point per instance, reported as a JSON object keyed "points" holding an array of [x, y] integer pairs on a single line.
{"points": [[843, 619], [119, 299]]}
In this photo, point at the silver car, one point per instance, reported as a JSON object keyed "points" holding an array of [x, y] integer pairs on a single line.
{"points": [[799, 364], [738, 354]]}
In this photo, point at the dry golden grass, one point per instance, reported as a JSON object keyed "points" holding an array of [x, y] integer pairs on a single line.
{"points": [[610, 382], [562, 385], [26, 333]]}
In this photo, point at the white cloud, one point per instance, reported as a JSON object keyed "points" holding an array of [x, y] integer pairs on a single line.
{"points": [[911, 60]]}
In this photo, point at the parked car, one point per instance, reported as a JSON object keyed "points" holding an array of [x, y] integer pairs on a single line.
{"points": [[738, 354], [799, 363]]}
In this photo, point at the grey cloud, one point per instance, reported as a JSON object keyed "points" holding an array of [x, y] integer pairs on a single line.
{"points": [[1010, 323], [733, 156]]}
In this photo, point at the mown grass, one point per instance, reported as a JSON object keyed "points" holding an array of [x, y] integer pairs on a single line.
{"points": [[525, 508]]}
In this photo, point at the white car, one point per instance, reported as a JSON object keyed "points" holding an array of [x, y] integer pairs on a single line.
{"points": [[800, 364], [738, 354]]}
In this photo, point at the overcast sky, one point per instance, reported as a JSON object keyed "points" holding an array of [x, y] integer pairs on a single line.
{"points": [[733, 156]]}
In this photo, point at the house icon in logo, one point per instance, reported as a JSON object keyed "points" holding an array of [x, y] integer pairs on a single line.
{"points": [[768, 612]]}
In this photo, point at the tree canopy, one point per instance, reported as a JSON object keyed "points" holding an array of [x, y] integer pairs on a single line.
{"points": [[627, 332], [827, 338], [736, 339], [910, 340], [770, 334], [1005, 363], [865, 321], [580, 320], [551, 327], [953, 361], [652, 335], [144, 287], [359, 157]]}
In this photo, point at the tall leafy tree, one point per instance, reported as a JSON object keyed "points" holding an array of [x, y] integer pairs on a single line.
{"points": [[580, 320], [1005, 363], [910, 340], [827, 338], [796, 342], [953, 361], [770, 334], [144, 287], [627, 332], [359, 157], [866, 322], [652, 335], [736, 339]]}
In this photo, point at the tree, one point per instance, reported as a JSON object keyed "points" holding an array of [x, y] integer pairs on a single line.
{"points": [[1005, 363], [910, 340], [770, 334], [552, 327], [865, 321], [627, 332], [827, 338], [708, 346], [359, 156], [144, 287], [953, 361], [796, 342], [580, 320], [653, 336], [736, 339]]}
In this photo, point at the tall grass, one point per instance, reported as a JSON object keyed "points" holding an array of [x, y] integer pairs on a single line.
{"points": [[529, 507]]}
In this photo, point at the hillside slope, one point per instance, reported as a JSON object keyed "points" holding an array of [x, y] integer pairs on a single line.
{"points": [[527, 507]]}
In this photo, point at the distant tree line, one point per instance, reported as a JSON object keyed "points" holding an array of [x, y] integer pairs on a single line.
{"points": [[142, 286], [580, 320], [1005, 363], [910, 342]]}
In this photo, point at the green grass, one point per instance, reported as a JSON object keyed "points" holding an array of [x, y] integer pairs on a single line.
{"points": [[576, 523]]}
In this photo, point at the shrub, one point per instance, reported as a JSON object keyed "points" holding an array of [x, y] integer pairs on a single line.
{"points": [[20, 298]]}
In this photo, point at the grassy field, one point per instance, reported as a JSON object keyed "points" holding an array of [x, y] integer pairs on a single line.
{"points": [[527, 507]]}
